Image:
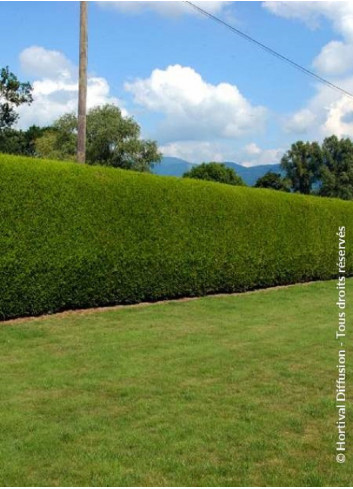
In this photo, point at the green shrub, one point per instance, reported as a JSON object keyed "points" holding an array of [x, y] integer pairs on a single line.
{"points": [[214, 172], [75, 236]]}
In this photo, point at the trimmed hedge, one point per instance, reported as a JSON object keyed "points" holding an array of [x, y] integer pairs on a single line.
{"points": [[76, 236]]}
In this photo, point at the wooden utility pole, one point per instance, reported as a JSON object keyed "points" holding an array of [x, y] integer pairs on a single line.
{"points": [[82, 86]]}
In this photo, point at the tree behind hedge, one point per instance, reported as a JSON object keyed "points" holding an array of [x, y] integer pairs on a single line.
{"points": [[13, 93], [18, 142], [273, 181], [215, 172], [325, 170], [302, 164], [112, 140], [337, 168]]}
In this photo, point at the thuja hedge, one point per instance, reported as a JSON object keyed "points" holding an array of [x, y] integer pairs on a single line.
{"points": [[76, 236]]}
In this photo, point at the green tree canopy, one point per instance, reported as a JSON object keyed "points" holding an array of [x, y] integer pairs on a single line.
{"points": [[302, 164], [112, 140], [273, 181], [18, 142], [215, 172], [12, 94], [337, 168]]}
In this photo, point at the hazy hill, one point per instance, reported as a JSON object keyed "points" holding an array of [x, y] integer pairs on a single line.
{"points": [[251, 174], [176, 167]]}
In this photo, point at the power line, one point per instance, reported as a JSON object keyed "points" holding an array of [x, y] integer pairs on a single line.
{"points": [[270, 50]]}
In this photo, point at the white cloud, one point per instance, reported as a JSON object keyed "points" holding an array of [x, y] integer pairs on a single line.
{"points": [[40, 62], [195, 151], [327, 113], [55, 88], [195, 109], [252, 149], [306, 11], [336, 57], [165, 8], [252, 155], [301, 122], [338, 118], [339, 13], [220, 151]]}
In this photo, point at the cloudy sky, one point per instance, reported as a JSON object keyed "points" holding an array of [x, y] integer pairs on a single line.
{"points": [[200, 91]]}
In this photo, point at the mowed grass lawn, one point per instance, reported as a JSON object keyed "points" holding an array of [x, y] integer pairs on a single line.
{"points": [[230, 390]]}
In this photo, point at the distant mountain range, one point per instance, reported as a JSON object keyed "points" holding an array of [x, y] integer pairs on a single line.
{"points": [[176, 167]]}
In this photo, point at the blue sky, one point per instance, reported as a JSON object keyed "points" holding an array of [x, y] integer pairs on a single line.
{"points": [[200, 91]]}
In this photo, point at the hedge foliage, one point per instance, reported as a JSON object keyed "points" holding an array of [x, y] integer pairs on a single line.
{"points": [[74, 236]]}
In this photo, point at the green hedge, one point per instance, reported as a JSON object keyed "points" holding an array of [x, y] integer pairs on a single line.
{"points": [[75, 236]]}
